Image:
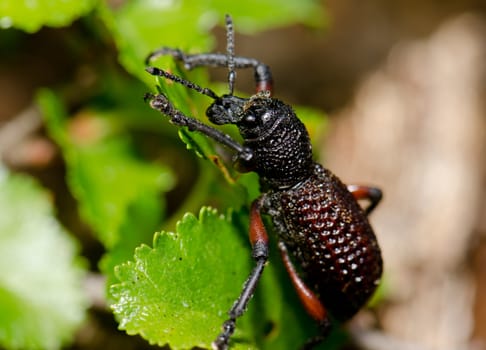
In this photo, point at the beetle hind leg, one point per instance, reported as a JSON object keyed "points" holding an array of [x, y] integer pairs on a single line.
{"points": [[372, 194], [309, 300]]}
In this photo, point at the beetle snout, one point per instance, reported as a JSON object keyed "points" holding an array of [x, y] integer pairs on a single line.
{"points": [[220, 115], [227, 109]]}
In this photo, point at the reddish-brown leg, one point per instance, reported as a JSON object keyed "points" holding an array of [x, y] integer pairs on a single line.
{"points": [[311, 303], [372, 194], [309, 300], [259, 242]]}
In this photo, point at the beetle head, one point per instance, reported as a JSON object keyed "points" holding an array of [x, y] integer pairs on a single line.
{"points": [[255, 116]]}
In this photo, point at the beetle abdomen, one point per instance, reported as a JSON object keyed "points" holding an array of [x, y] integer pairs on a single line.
{"points": [[329, 236]]}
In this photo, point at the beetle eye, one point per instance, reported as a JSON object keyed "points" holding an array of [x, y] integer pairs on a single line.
{"points": [[266, 117], [250, 119]]}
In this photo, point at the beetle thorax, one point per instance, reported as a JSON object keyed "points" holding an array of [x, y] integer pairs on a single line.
{"points": [[282, 152]]}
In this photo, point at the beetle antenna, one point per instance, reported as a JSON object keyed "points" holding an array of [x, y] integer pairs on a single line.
{"points": [[230, 52], [162, 73]]}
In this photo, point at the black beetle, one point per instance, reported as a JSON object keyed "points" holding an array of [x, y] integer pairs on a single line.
{"points": [[321, 228]]}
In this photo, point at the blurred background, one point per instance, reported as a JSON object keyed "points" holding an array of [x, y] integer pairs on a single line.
{"points": [[403, 87]]}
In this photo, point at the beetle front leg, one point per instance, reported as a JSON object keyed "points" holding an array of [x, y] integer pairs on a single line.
{"points": [[161, 103], [259, 242]]}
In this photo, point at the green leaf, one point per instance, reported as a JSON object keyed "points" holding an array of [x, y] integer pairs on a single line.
{"points": [[105, 177], [141, 26], [30, 16], [108, 183], [41, 299], [179, 291]]}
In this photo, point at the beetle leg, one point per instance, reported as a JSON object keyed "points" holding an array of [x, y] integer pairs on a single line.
{"points": [[160, 103], [311, 303], [373, 194], [308, 298], [262, 72], [259, 241]]}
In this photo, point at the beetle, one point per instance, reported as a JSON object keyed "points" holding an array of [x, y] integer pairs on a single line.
{"points": [[325, 239]]}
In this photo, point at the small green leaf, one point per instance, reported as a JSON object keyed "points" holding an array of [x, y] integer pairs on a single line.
{"points": [[108, 182], [41, 299], [105, 177], [178, 292], [142, 26], [30, 16]]}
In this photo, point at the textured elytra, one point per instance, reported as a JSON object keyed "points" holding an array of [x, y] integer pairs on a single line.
{"points": [[330, 238]]}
